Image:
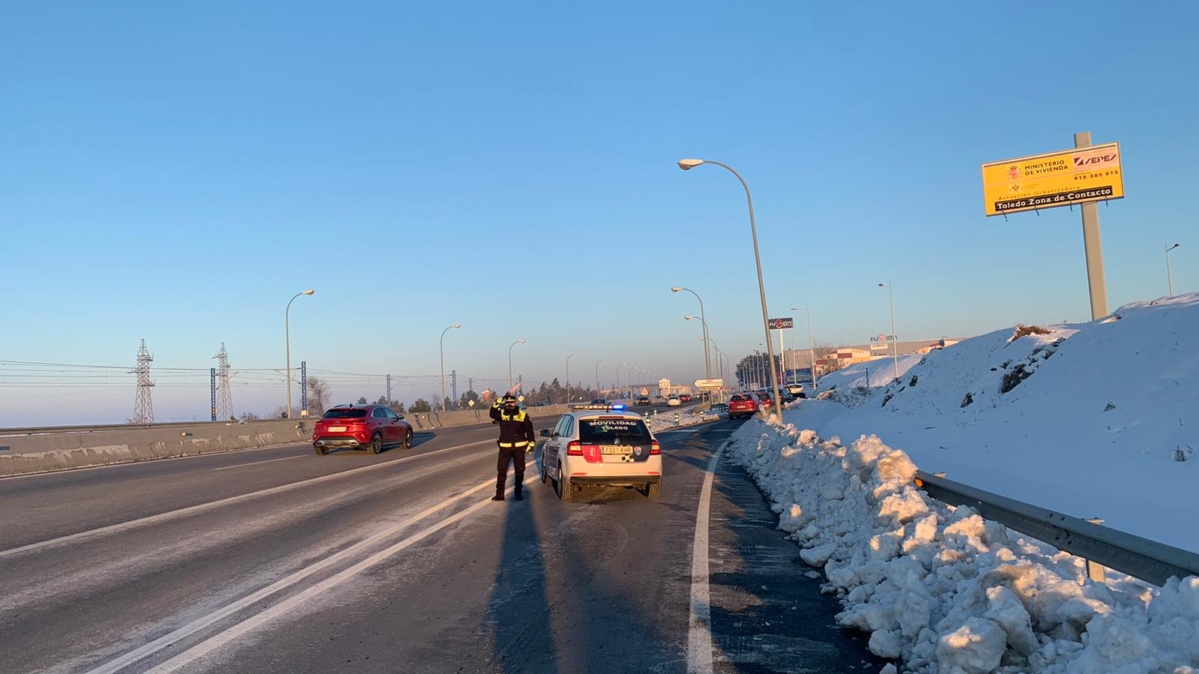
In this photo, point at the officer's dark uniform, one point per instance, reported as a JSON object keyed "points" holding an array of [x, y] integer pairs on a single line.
{"points": [[516, 438]]}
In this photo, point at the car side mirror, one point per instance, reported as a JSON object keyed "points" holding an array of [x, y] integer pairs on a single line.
{"points": [[545, 433], [399, 416]]}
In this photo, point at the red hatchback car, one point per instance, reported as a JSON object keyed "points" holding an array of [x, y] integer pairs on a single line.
{"points": [[372, 427], [743, 405]]}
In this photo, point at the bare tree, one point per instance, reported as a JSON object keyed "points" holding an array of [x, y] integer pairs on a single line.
{"points": [[318, 396]]}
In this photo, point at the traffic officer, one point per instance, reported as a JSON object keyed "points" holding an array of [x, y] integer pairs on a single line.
{"points": [[516, 439]]}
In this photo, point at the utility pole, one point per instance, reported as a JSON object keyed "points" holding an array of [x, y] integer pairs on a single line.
{"points": [[303, 389], [389, 400], [1093, 245]]}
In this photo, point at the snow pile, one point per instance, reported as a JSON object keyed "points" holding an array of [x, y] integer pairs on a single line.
{"points": [[945, 591], [1092, 420], [878, 372]]}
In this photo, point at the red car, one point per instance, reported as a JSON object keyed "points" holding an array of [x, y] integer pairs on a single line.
{"points": [[684, 397], [742, 405], [372, 427]]}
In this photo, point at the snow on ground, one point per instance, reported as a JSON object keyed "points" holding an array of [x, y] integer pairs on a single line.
{"points": [[1086, 419], [947, 592], [880, 372], [1093, 427]]}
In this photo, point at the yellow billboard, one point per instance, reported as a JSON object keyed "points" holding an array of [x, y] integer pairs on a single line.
{"points": [[1055, 179]]}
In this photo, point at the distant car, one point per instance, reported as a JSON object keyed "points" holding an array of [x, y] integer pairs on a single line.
{"points": [[674, 401], [685, 397], [608, 446], [370, 427], [599, 401], [797, 390], [743, 405], [643, 401]]}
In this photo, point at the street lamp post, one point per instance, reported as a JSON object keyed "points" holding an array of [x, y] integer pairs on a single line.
{"points": [[519, 341], [707, 357], [894, 337], [597, 382], [1169, 276], [617, 390], [442, 341], [568, 375], [287, 338], [687, 164], [811, 345], [703, 319]]}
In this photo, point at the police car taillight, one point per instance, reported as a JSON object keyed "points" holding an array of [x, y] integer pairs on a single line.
{"points": [[574, 448], [655, 448]]}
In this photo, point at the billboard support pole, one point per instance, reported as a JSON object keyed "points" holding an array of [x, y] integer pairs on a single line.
{"points": [[1093, 245]]}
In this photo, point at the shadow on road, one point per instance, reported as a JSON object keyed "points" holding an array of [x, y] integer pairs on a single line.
{"points": [[575, 590], [767, 615]]}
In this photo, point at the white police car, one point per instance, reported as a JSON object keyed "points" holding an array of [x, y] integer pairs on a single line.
{"points": [[603, 445]]}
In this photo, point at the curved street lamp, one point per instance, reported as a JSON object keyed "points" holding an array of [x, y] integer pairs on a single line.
{"points": [[287, 337], [688, 164], [703, 319], [452, 327], [597, 383], [568, 375], [617, 391], [1169, 276], [894, 337], [519, 341]]}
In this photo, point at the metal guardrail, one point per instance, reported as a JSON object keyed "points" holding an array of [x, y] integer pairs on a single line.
{"points": [[100, 428], [1138, 557]]}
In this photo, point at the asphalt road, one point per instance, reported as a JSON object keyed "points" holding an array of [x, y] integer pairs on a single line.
{"points": [[278, 560]]}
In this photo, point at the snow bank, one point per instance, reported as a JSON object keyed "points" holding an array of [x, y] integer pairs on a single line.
{"points": [[943, 590], [1094, 420]]}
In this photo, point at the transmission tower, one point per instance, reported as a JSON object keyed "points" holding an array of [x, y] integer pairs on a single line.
{"points": [[143, 409], [224, 394]]}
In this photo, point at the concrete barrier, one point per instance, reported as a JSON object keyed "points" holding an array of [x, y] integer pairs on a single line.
{"points": [[49, 449]]}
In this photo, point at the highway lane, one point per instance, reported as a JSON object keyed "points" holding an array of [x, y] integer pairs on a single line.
{"points": [[397, 562]]}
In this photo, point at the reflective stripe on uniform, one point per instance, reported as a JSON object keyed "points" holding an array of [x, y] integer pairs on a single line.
{"points": [[515, 444]]}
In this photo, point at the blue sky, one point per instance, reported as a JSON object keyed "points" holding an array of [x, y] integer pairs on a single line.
{"points": [[176, 172]]}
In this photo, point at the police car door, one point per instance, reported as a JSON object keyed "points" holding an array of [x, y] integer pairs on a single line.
{"points": [[549, 451]]}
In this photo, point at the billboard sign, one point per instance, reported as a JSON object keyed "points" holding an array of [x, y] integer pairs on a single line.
{"points": [[802, 375], [781, 323], [1063, 178], [709, 383]]}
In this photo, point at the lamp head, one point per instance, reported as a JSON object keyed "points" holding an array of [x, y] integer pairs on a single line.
{"points": [[309, 292], [688, 164]]}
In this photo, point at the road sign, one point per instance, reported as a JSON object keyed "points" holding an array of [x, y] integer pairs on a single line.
{"points": [[1077, 176], [781, 323], [709, 383], [800, 375]]}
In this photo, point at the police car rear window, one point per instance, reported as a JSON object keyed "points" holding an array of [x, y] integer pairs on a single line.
{"points": [[345, 414], [613, 431]]}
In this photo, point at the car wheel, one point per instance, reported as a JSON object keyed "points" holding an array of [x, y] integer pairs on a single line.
{"points": [[320, 451], [408, 439], [566, 490], [545, 474], [376, 445], [654, 490]]}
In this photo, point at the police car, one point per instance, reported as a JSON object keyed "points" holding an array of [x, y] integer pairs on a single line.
{"points": [[601, 445]]}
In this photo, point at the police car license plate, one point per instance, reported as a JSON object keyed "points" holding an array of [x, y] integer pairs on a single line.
{"points": [[337, 429], [617, 450]]}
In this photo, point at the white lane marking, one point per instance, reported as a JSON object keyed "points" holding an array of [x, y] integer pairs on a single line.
{"points": [[699, 630], [201, 507], [255, 463], [237, 630]]}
